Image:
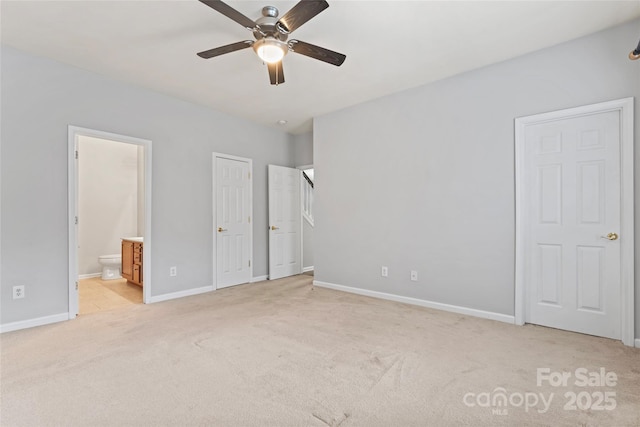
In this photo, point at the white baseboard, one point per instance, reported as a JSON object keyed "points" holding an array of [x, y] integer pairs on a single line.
{"points": [[89, 276], [423, 303], [637, 342], [260, 278], [305, 269], [181, 294], [39, 321]]}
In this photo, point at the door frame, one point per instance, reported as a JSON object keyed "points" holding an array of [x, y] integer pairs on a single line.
{"points": [[74, 132], [627, 303], [302, 215], [214, 213]]}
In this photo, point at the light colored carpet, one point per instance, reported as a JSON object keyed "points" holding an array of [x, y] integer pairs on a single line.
{"points": [[283, 353]]}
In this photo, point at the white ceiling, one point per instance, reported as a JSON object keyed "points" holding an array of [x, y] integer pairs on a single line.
{"points": [[390, 46]]}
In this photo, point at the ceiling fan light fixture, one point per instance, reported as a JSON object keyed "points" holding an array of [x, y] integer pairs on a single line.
{"points": [[270, 50], [271, 34]]}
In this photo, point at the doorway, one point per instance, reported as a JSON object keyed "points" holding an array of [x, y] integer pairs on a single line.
{"points": [[574, 220], [107, 292], [308, 218]]}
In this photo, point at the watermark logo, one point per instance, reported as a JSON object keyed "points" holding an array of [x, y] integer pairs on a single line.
{"points": [[594, 394], [499, 400], [592, 398]]}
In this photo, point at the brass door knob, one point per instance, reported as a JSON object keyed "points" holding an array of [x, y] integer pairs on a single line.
{"points": [[220, 229], [610, 236], [274, 228]]}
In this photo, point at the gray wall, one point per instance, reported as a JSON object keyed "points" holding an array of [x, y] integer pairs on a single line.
{"points": [[40, 98], [424, 179], [303, 149]]}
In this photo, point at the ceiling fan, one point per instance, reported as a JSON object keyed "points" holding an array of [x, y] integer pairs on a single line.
{"points": [[635, 54], [271, 35]]}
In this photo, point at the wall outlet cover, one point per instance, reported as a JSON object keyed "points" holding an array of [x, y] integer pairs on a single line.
{"points": [[18, 292]]}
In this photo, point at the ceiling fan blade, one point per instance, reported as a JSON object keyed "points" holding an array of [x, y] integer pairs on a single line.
{"points": [[317, 52], [276, 74], [225, 49], [299, 14], [230, 13]]}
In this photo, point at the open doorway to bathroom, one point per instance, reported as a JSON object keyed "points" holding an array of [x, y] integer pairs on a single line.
{"points": [[109, 207]]}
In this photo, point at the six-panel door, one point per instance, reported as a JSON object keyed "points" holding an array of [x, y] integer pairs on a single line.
{"points": [[572, 172], [233, 222]]}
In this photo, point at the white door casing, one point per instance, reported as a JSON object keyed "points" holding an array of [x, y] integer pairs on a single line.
{"points": [[285, 222], [74, 133], [232, 220], [574, 186]]}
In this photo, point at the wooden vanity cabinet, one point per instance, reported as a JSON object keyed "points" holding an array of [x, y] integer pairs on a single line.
{"points": [[127, 259], [132, 261]]}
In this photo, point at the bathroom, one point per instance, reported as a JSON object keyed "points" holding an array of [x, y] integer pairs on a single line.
{"points": [[110, 207]]}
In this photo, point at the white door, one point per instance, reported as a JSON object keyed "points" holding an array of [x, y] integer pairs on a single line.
{"points": [[232, 223], [572, 186], [285, 225]]}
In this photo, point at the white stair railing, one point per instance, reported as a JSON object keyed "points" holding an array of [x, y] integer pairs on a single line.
{"points": [[307, 198]]}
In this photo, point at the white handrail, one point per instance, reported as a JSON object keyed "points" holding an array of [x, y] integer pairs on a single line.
{"points": [[307, 202]]}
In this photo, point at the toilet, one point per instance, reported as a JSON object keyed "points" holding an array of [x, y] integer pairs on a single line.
{"points": [[110, 266]]}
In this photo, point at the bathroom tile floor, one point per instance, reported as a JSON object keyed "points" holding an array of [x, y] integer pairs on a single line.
{"points": [[101, 295]]}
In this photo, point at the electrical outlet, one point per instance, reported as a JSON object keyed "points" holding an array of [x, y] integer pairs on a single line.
{"points": [[18, 292], [173, 271], [384, 271], [414, 276]]}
